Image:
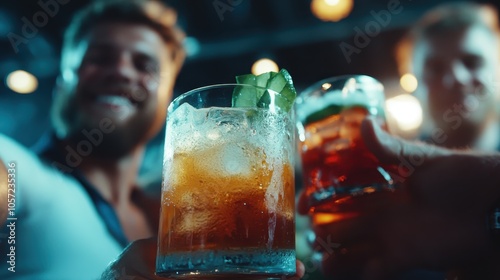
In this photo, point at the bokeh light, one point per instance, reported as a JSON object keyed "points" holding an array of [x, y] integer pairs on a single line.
{"points": [[408, 82], [326, 86], [264, 65], [406, 111], [22, 82], [331, 10]]}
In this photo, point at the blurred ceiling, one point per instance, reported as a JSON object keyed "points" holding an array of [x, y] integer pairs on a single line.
{"points": [[225, 38]]}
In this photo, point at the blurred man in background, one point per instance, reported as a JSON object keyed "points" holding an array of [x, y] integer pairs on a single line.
{"points": [[78, 204], [454, 53], [438, 219]]}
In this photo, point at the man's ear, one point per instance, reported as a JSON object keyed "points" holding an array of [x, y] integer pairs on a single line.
{"points": [[65, 83], [58, 87]]}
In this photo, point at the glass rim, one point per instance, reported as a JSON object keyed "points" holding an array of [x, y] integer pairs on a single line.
{"points": [[351, 89], [210, 87], [316, 85], [189, 92]]}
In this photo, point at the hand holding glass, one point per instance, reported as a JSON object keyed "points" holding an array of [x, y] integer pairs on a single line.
{"points": [[336, 164]]}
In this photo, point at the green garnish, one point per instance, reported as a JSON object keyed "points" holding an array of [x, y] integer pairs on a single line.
{"points": [[264, 95]]}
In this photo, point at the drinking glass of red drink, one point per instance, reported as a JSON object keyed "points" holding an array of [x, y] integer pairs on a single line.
{"points": [[336, 164]]}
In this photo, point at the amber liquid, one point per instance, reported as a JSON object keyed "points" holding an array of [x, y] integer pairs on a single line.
{"points": [[336, 164], [215, 216]]}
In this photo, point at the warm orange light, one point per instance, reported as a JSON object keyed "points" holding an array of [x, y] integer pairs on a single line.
{"points": [[326, 218], [409, 82], [369, 190], [331, 10]]}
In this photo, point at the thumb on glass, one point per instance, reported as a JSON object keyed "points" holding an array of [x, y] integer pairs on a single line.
{"points": [[390, 149]]}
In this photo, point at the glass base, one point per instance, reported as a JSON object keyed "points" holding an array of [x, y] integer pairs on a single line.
{"points": [[244, 264], [359, 182], [340, 193]]}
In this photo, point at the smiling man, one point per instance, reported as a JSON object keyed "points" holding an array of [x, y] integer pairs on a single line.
{"points": [[79, 203]]}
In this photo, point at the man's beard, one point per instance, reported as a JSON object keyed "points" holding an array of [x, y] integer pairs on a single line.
{"points": [[115, 144], [110, 141]]}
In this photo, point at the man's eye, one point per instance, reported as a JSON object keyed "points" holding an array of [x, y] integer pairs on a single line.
{"points": [[147, 66], [472, 62]]}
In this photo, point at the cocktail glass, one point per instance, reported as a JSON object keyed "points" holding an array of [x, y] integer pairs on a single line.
{"points": [[336, 164], [228, 187]]}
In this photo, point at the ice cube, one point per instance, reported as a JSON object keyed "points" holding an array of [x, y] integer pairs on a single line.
{"points": [[312, 141], [350, 130], [322, 131], [195, 221], [355, 114], [228, 118], [235, 161], [224, 159], [182, 115], [200, 116], [185, 128], [337, 145], [328, 128], [214, 134]]}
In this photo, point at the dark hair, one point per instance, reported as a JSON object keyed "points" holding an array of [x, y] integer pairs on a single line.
{"points": [[445, 18], [151, 13]]}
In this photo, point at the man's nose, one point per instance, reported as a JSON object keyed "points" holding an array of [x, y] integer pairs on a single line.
{"points": [[123, 68], [457, 76]]}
